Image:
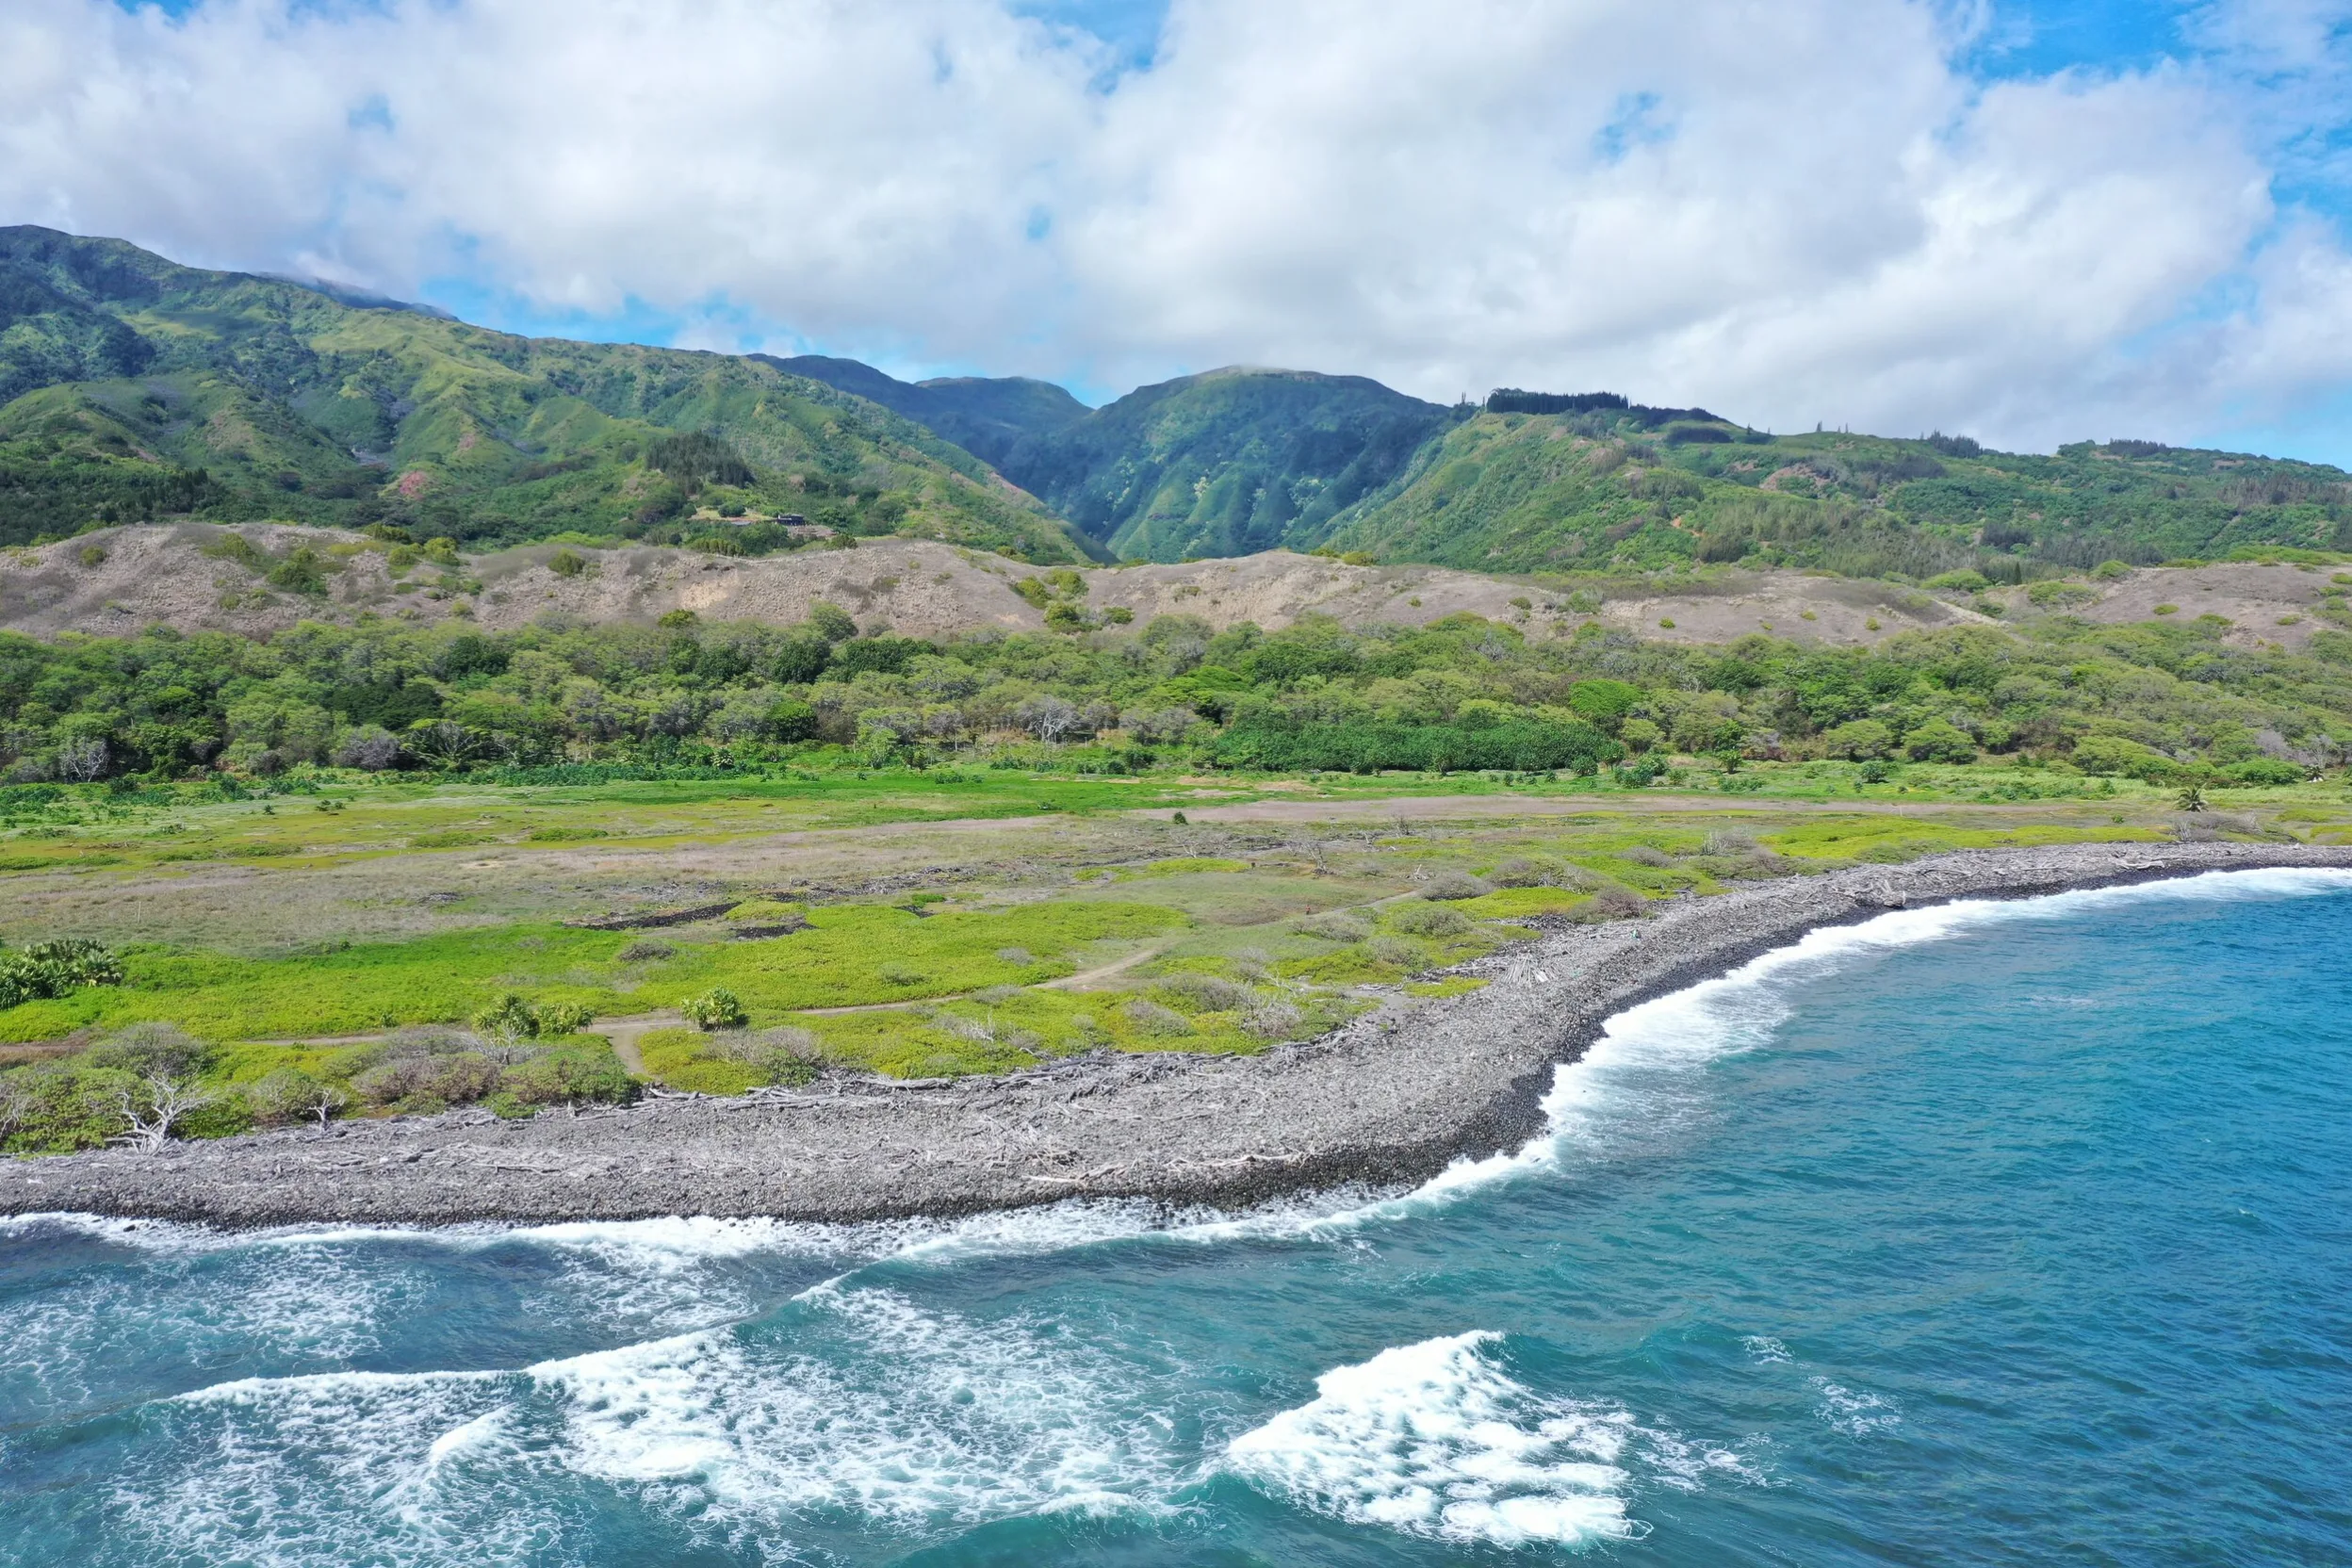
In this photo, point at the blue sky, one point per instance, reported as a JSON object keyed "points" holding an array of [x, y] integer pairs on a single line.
{"points": [[2035, 222]]}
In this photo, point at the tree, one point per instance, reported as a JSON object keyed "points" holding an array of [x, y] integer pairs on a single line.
{"points": [[443, 743], [168, 1102], [1861, 740], [831, 622], [1049, 718], [1939, 740], [369, 747], [82, 760], [1639, 735], [505, 1025]]}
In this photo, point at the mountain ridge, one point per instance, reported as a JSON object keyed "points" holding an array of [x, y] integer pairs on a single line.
{"points": [[984, 415], [131, 387], [140, 388]]}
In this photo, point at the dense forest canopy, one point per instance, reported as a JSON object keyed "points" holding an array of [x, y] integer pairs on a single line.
{"points": [[2154, 701]]}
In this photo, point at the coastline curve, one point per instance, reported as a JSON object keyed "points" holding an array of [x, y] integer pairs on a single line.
{"points": [[1396, 1099]]}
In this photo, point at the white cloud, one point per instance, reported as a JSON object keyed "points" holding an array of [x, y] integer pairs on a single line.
{"points": [[1789, 212]]}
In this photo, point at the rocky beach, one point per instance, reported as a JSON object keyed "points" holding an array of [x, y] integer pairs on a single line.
{"points": [[1393, 1097]]}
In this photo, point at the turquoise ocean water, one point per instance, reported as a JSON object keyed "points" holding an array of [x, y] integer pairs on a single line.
{"points": [[1992, 1233]]}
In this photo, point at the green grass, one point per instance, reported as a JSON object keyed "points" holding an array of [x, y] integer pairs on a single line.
{"points": [[1509, 902], [1183, 865], [682, 1059], [860, 954], [852, 956], [1895, 838], [1006, 1029], [358, 990]]}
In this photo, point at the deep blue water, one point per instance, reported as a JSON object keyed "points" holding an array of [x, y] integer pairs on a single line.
{"points": [[1991, 1234]]}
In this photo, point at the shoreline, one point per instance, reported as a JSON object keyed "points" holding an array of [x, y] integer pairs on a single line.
{"points": [[1393, 1097]]}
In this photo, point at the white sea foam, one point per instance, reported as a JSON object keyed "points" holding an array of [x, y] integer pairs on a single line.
{"points": [[401, 1469], [863, 1405], [1856, 1414], [927, 1418], [1434, 1440]]}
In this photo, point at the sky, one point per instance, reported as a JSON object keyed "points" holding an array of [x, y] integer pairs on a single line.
{"points": [[2028, 222]]}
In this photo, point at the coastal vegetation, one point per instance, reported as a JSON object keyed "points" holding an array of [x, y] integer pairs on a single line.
{"points": [[330, 944], [382, 863], [2169, 701]]}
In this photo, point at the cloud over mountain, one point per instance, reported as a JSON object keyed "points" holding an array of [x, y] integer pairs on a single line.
{"points": [[1805, 211]]}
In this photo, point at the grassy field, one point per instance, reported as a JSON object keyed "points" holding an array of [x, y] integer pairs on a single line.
{"points": [[929, 925]]}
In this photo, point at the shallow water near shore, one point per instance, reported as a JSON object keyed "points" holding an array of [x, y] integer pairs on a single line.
{"points": [[1992, 1233]]}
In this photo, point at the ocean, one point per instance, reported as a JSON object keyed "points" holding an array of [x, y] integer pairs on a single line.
{"points": [[1986, 1234]]}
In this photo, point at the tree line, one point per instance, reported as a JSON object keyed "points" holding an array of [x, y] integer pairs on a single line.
{"points": [[1463, 692]]}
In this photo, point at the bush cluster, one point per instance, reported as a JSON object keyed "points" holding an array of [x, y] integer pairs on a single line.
{"points": [[55, 968]]}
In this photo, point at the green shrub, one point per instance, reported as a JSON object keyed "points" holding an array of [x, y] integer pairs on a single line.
{"points": [[1939, 740], [690, 1061], [1204, 993], [429, 1083], [510, 1017], [2053, 591], [1271, 743], [291, 1094], [1615, 901], [559, 1019], [787, 1057], [1154, 1022], [148, 1049], [54, 1107], [1429, 919], [1338, 925], [2264, 770], [1396, 953], [1966, 581], [303, 571], [2114, 755], [53, 969], [717, 1008], [507, 1018], [570, 1075]]}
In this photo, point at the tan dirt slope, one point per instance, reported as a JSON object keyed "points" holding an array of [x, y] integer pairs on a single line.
{"points": [[118, 580]]}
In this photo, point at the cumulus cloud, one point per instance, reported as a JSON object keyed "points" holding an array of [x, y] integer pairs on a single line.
{"points": [[1801, 211]]}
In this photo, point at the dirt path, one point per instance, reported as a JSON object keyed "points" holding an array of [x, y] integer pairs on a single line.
{"points": [[1120, 966], [625, 1032]]}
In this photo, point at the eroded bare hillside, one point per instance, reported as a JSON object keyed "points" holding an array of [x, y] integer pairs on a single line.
{"points": [[259, 579]]}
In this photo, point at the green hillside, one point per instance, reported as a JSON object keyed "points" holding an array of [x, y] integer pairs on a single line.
{"points": [[134, 389], [984, 415], [1632, 486], [137, 388], [1224, 464]]}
